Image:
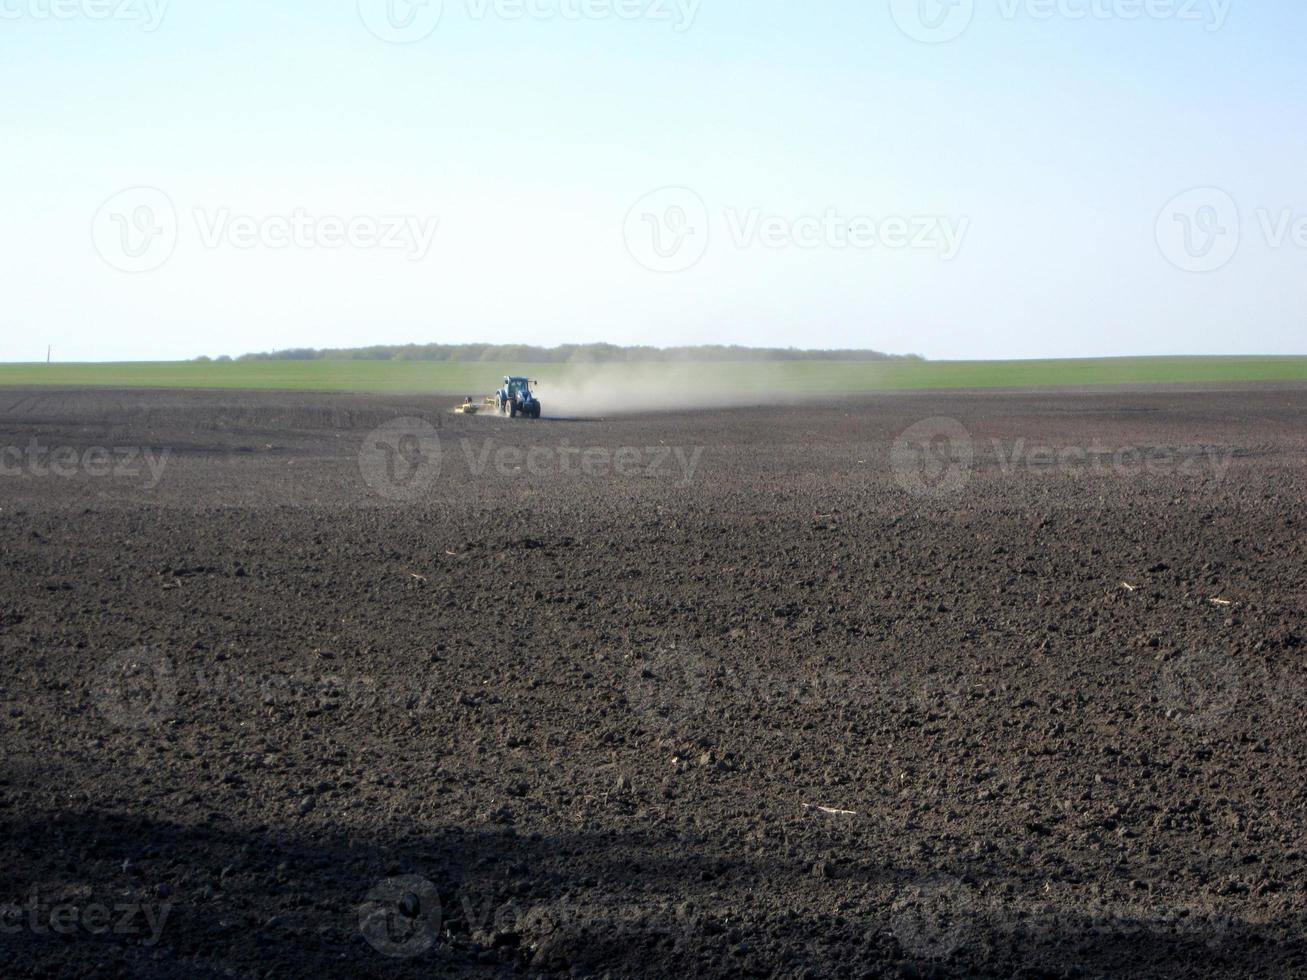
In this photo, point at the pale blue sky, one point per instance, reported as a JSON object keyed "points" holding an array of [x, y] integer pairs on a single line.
{"points": [[503, 158]]}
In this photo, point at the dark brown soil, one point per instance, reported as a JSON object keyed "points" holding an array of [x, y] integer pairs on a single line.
{"points": [[1047, 681]]}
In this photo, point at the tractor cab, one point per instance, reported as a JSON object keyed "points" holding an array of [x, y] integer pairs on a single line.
{"points": [[516, 398]]}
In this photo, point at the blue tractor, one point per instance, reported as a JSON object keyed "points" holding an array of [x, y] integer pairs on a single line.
{"points": [[516, 398]]}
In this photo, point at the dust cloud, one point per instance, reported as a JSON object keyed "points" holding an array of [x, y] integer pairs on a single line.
{"points": [[612, 389]]}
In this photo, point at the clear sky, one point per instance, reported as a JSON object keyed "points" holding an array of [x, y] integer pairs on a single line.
{"points": [[187, 177]]}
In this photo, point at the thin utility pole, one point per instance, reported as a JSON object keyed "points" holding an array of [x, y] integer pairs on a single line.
{"points": [[47, 353]]}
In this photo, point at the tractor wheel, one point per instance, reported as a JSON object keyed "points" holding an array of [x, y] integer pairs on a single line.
{"points": [[535, 412]]}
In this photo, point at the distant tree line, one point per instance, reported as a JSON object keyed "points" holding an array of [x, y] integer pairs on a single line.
{"points": [[569, 354]]}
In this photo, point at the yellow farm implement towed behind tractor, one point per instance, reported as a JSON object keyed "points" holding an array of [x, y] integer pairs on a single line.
{"points": [[469, 407]]}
